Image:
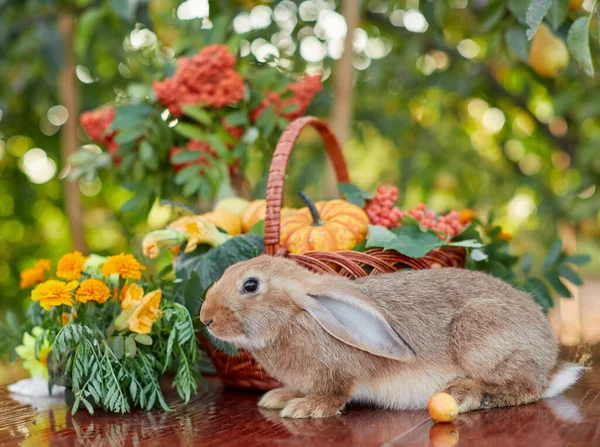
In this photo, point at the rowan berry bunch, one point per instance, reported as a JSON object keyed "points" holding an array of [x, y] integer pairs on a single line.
{"points": [[96, 124], [382, 210], [206, 159], [448, 225], [303, 92], [209, 77]]}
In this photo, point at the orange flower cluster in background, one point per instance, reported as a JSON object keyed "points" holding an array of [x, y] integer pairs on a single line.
{"points": [[35, 275], [208, 78], [96, 124], [302, 94]]}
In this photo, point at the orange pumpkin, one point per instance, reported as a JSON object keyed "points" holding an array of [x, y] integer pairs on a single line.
{"points": [[256, 211], [325, 226]]}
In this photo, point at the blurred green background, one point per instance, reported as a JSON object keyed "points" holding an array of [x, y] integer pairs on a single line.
{"points": [[435, 97]]}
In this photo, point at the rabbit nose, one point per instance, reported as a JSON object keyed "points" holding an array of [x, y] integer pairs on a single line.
{"points": [[206, 318]]}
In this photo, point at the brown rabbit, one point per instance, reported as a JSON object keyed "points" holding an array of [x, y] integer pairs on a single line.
{"points": [[391, 340]]}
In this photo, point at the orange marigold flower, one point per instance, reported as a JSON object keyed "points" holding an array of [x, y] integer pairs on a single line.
{"points": [[43, 264], [505, 236], [70, 266], [54, 293], [124, 265], [92, 289], [466, 216], [34, 275], [31, 277]]}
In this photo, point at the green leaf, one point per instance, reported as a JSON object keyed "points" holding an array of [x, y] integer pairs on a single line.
{"points": [[439, 12], [87, 24], [147, 155], [198, 113], [535, 14], [379, 236], [526, 264], [559, 9], [187, 174], [557, 284], [129, 135], [187, 156], [130, 346], [578, 259], [478, 255], [516, 42], [237, 119], [492, 16], [408, 240], [467, 243], [190, 131], [540, 292], [519, 8], [143, 339], [258, 228], [553, 255], [570, 275], [354, 194], [578, 42], [129, 116], [193, 293], [117, 346]]}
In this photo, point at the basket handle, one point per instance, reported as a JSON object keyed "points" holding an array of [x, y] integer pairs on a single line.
{"points": [[278, 167]]}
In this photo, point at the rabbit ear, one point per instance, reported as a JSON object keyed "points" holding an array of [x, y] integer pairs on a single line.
{"points": [[357, 323]]}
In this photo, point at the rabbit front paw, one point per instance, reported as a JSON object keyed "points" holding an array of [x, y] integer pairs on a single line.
{"points": [[313, 406], [278, 398]]}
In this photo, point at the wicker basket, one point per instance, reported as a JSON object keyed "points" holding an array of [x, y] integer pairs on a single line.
{"points": [[242, 371]]}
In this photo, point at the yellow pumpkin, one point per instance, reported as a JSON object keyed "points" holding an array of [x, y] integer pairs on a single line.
{"points": [[256, 211], [236, 205], [225, 219], [325, 226]]}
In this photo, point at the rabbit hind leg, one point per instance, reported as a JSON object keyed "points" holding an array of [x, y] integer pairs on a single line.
{"points": [[475, 394]]}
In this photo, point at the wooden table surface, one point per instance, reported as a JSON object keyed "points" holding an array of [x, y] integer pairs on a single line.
{"points": [[224, 417]]}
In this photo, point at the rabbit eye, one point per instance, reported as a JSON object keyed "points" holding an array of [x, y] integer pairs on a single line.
{"points": [[250, 286]]}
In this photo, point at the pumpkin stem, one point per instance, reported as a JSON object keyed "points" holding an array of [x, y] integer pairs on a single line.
{"points": [[312, 208]]}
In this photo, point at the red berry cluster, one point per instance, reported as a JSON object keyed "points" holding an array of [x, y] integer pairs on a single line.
{"points": [[96, 124], [448, 225], [303, 92], [209, 77], [381, 209]]}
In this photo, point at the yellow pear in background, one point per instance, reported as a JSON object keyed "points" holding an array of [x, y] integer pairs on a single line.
{"points": [[574, 5], [548, 54]]}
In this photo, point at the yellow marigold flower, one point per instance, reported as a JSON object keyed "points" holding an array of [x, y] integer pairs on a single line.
{"points": [[139, 314], [70, 266], [92, 289], [31, 277], [124, 265], [54, 293]]}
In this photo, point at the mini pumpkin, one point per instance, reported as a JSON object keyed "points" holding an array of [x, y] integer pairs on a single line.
{"points": [[256, 211], [332, 225], [236, 205]]}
